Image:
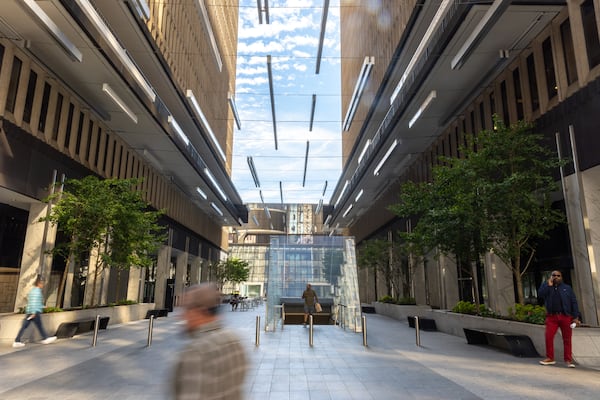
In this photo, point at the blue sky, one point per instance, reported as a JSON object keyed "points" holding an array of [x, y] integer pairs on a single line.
{"points": [[291, 39]]}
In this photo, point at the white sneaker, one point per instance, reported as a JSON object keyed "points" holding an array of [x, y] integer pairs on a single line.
{"points": [[18, 344], [49, 339]]}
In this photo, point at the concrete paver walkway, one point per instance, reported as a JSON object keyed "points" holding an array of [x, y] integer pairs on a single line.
{"points": [[285, 367]]}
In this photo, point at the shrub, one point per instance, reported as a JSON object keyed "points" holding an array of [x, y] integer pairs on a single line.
{"points": [[52, 309], [464, 307], [530, 313], [407, 301], [386, 299]]}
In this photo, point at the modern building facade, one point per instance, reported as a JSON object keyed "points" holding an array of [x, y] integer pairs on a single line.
{"points": [[417, 76], [117, 89]]}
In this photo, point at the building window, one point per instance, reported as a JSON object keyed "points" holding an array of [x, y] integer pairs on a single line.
{"points": [[549, 69], [98, 141], [568, 51], [518, 93], [79, 133], [15, 75], [504, 98], [492, 99], [57, 112], [482, 115], [533, 87], [89, 140], [30, 97], [590, 31], [69, 125], [44, 109], [1, 56]]}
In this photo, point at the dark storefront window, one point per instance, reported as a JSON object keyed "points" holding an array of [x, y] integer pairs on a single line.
{"points": [[533, 87], [590, 31], [568, 51], [30, 96], [518, 93], [13, 86], [549, 69]]}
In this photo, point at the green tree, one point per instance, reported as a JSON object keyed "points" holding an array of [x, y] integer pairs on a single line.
{"points": [[232, 270], [109, 217], [496, 197], [388, 259]]}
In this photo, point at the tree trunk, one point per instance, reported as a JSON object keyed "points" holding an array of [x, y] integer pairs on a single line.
{"points": [[518, 279], [63, 282]]}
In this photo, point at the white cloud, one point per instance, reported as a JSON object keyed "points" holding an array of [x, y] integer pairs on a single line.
{"points": [[291, 39]]}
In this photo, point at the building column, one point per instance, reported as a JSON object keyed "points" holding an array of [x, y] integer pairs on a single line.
{"points": [[92, 280], [196, 271], [162, 274], [135, 283], [180, 272], [583, 215], [33, 258], [500, 284], [449, 282]]}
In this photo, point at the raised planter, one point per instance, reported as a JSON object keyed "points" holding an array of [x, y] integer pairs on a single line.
{"points": [[586, 340], [11, 323]]}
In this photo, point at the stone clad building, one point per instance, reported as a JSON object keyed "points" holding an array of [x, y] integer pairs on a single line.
{"points": [[123, 88], [419, 75]]}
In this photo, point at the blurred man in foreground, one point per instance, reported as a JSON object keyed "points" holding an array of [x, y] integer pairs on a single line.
{"points": [[213, 365]]}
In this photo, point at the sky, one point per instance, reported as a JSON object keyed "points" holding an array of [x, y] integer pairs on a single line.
{"points": [[292, 39]]}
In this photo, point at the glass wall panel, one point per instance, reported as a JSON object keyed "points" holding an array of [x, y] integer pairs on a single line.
{"points": [[328, 263]]}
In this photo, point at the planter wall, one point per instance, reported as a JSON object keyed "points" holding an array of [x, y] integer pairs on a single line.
{"points": [[586, 340], [11, 323]]}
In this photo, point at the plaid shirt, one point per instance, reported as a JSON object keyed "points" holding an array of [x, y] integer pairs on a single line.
{"points": [[212, 366]]}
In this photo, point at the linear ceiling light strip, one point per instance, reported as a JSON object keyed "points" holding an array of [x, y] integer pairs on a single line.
{"points": [[359, 87], [141, 7], [305, 162], [173, 122], [236, 116], [322, 35], [63, 41], [270, 72], [107, 34], [211, 35], [262, 9], [281, 191], [481, 30], [385, 157], [215, 183], [118, 101], [312, 112], [433, 26], [253, 171], [216, 208], [432, 95], [204, 122]]}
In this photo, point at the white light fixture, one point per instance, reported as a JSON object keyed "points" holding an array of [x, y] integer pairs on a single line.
{"points": [[255, 220], [215, 183], [272, 97], [152, 159], [211, 34], [342, 193], [385, 157], [204, 122], [141, 7], [347, 210], [253, 171], [432, 95], [361, 82], [261, 196], [234, 110], [201, 193], [359, 195], [364, 151], [34, 9], [327, 220], [319, 206], [481, 30], [267, 212], [261, 9], [433, 26], [322, 35], [216, 208], [118, 101], [121, 53], [178, 129]]}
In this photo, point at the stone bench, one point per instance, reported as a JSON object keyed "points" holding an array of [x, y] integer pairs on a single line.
{"points": [[425, 324], [72, 328], [159, 312], [517, 345]]}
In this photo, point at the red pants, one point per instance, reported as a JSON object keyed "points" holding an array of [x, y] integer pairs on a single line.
{"points": [[553, 322]]}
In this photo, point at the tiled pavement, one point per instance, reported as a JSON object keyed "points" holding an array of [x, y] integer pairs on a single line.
{"points": [[284, 366]]}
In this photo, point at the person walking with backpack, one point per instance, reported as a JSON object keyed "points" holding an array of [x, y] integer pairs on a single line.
{"points": [[33, 311]]}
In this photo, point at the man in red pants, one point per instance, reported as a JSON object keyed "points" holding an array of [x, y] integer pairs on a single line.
{"points": [[561, 312]]}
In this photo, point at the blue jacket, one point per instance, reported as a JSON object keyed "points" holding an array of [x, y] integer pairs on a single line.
{"points": [[567, 296]]}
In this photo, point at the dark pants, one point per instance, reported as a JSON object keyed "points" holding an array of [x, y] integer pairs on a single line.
{"points": [[37, 320], [553, 322]]}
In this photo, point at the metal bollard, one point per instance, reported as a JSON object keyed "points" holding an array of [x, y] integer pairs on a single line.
{"points": [[417, 331], [96, 325], [257, 340], [150, 326], [310, 331], [364, 330]]}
